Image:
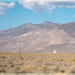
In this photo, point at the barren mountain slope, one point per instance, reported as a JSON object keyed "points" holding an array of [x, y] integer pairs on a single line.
{"points": [[26, 28], [40, 39], [69, 28]]}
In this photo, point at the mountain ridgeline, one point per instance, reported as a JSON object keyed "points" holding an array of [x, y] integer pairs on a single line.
{"points": [[39, 38]]}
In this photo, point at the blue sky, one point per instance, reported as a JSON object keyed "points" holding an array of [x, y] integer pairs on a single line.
{"points": [[13, 14]]}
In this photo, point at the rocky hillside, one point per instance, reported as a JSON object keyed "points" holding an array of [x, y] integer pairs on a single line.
{"points": [[42, 38]]}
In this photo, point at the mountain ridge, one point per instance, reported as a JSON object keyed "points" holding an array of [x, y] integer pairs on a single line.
{"points": [[27, 26], [44, 37]]}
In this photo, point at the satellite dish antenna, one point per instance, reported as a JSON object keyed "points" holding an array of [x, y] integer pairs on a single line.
{"points": [[54, 51]]}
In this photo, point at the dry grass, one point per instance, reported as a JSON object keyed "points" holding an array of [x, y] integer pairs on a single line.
{"points": [[37, 63]]}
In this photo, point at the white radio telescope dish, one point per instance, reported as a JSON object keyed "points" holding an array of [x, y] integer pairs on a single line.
{"points": [[54, 51]]}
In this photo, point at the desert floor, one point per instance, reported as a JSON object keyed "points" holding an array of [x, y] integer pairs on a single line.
{"points": [[37, 63]]}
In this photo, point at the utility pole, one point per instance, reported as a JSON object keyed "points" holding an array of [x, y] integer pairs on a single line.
{"points": [[19, 47]]}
